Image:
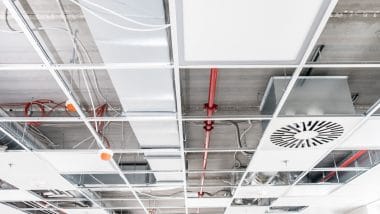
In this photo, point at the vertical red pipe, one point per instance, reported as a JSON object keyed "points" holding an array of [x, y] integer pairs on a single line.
{"points": [[345, 163], [209, 124]]}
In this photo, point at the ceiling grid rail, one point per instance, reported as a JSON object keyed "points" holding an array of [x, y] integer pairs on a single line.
{"points": [[375, 107], [54, 68], [177, 89], [38, 47], [99, 66], [41, 158], [151, 118]]}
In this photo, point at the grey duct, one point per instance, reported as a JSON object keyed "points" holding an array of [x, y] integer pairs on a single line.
{"points": [[143, 91], [20, 133]]}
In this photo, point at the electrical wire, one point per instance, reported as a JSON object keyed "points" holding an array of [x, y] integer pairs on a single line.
{"points": [[34, 29], [239, 137], [41, 135], [245, 131], [91, 100], [115, 24], [77, 43], [75, 46], [176, 193], [159, 196], [95, 80], [82, 141], [7, 21], [13, 30]]}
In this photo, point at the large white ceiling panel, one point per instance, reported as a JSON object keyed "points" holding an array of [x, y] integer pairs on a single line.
{"points": [[264, 191], [271, 156], [365, 137], [17, 195], [362, 186], [248, 30], [26, 171], [323, 203], [208, 202], [9, 210], [312, 190], [71, 162], [247, 210], [85, 211]]}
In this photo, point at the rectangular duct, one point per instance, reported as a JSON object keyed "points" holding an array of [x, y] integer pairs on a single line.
{"points": [[311, 95], [142, 91], [294, 141]]}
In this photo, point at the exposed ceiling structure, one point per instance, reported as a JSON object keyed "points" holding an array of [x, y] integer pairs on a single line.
{"points": [[189, 106]]}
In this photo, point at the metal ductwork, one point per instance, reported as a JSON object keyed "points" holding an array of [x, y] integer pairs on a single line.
{"points": [[12, 132], [312, 95], [141, 91]]}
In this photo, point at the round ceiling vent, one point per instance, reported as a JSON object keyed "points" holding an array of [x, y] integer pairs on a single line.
{"points": [[306, 134]]}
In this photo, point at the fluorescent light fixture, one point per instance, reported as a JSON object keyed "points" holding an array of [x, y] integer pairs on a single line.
{"points": [[250, 31]]}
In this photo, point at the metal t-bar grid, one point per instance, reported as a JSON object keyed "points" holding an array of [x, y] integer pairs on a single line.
{"points": [[53, 69], [151, 65], [177, 82], [292, 82], [39, 48], [375, 107]]}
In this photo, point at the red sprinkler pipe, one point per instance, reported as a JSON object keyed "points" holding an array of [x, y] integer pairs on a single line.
{"points": [[346, 163], [210, 107]]}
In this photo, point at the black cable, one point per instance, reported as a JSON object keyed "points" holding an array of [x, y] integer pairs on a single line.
{"points": [[238, 137], [222, 190], [7, 21]]}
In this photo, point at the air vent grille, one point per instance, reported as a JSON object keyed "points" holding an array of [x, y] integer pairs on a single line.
{"points": [[307, 134]]}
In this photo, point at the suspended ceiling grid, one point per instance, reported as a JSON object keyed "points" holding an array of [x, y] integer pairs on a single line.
{"points": [[229, 108]]}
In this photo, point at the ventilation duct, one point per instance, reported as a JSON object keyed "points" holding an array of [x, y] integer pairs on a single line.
{"points": [[293, 141], [141, 91], [12, 132], [312, 95]]}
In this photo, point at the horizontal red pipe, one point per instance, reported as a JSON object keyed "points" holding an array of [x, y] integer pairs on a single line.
{"points": [[345, 163]]}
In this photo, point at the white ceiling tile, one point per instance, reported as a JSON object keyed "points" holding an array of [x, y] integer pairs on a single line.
{"points": [[270, 157], [72, 162], [208, 202], [364, 137], [26, 171], [17, 195], [264, 191], [85, 211], [247, 210], [9, 210], [231, 30], [312, 190]]}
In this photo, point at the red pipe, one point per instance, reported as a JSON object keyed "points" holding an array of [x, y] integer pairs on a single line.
{"points": [[210, 107], [346, 163]]}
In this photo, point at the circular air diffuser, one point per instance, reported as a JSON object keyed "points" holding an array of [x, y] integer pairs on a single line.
{"points": [[306, 134]]}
